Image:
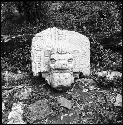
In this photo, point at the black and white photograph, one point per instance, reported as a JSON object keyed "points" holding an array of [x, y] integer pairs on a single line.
{"points": [[61, 62]]}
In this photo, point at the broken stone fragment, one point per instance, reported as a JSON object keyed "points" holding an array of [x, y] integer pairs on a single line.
{"points": [[15, 116], [64, 102], [118, 100], [37, 111], [17, 107]]}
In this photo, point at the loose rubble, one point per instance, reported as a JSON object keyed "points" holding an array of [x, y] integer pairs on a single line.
{"points": [[64, 102], [15, 116]]}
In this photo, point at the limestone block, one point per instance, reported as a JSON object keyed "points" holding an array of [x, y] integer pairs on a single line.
{"points": [[54, 40]]}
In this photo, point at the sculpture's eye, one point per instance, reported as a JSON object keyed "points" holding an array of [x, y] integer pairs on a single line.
{"points": [[52, 60], [70, 60]]}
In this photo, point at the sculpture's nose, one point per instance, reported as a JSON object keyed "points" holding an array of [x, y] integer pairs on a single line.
{"points": [[64, 64]]}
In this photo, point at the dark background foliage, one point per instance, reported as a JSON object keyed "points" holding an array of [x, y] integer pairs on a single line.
{"points": [[100, 18]]}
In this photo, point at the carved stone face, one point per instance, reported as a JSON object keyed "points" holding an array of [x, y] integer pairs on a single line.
{"points": [[61, 61], [61, 66]]}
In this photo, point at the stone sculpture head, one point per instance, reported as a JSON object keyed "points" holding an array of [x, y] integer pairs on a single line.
{"points": [[60, 55], [61, 67]]}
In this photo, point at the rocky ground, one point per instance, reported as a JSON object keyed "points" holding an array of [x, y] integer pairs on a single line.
{"points": [[96, 99], [34, 101]]}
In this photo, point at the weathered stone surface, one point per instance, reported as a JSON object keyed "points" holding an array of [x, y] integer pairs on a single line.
{"points": [[64, 102], [54, 49], [64, 41], [37, 111], [15, 116]]}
